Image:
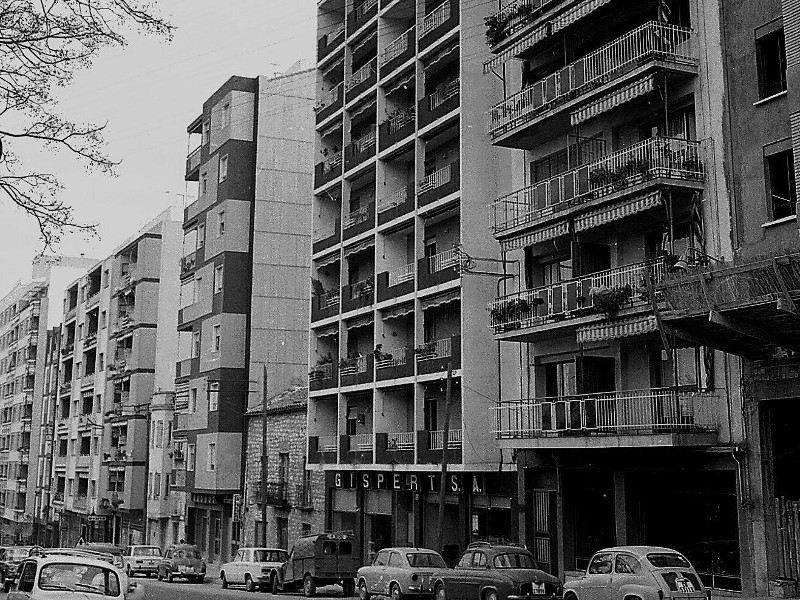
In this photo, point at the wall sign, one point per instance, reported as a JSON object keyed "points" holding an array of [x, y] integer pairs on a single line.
{"points": [[455, 483]]}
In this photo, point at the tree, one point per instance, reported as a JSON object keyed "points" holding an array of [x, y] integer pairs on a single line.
{"points": [[43, 44]]}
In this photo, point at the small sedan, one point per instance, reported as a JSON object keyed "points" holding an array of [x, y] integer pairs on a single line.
{"points": [[182, 560], [644, 572], [400, 572], [141, 559], [251, 567]]}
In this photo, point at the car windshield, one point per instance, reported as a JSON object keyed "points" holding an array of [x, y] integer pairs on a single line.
{"points": [[151, 551], [88, 579], [269, 556], [668, 560], [425, 559], [184, 553], [514, 560]]}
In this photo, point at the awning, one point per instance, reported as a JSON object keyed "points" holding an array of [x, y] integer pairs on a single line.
{"points": [[327, 331], [336, 65], [362, 109], [614, 330], [331, 129], [365, 41], [440, 56], [540, 33], [536, 236], [360, 247], [395, 312], [364, 321], [441, 299], [182, 390], [614, 99], [403, 81], [328, 260], [617, 211]]}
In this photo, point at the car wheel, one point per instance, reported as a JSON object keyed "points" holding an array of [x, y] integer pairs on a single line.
{"points": [[363, 594], [397, 595], [169, 577], [273, 583], [249, 585], [200, 579], [570, 596], [159, 576], [491, 595], [309, 586], [440, 593], [224, 581]]}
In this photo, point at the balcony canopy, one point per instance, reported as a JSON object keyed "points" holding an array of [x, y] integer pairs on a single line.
{"points": [[614, 330], [614, 99], [441, 299]]}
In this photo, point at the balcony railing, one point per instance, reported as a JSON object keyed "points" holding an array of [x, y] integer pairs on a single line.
{"points": [[514, 16], [360, 290], [358, 216], [354, 366], [392, 200], [333, 163], [436, 439], [656, 157], [361, 75], [401, 274], [442, 94], [361, 442], [396, 357], [649, 411], [326, 230], [437, 17], [329, 102], [327, 443], [443, 260], [363, 9], [400, 119], [436, 179], [397, 47], [652, 41], [400, 441], [438, 349], [573, 297], [193, 160], [321, 372]]}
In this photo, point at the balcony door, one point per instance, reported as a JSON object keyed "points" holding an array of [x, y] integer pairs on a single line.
{"points": [[595, 375]]}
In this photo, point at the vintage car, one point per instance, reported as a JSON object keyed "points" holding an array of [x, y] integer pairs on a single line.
{"points": [[252, 568], [400, 572], [141, 559], [182, 560], [114, 551], [489, 571], [62, 577], [642, 572], [317, 560], [10, 559]]}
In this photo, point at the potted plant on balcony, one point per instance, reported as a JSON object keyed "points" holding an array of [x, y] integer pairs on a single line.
{"points": [[608, 300], [426, 350]]}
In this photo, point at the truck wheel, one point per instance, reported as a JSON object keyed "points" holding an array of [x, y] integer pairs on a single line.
{"points": [[396, 595], [309, 586], [273, 584], [491, 595], [440, 593], [348, 587]]}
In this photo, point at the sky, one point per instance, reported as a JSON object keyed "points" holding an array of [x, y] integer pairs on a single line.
{"points": [[148, 92]]}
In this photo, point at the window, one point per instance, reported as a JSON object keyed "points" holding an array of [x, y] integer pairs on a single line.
{"points": [[201, 235], [80, 331], [226, 115], [157, 485], [203, 183], [86, 445], [212, 457], [197, 289], [190, 456], [771, 57], [193, 400], [216, 338], [559, 379], [93, 488], [600, 565], [395, 560], [103, 319], [196, 344], [221, 223], [218, 279], [159, 434], [213, 395], [626, 563], [116, 481], [223, 168], [106, 278], [206, 134], [782, 191], [101, 361]]}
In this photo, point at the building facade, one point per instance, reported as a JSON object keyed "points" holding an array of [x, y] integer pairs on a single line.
{"points": [[402, 268], [295, 496], [119, 324], [243, 280]]}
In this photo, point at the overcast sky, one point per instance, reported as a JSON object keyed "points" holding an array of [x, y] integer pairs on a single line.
{"points": [[148, 92]]}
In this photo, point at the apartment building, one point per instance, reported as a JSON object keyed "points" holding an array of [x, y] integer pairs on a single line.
{"points": [[243, 298], [403, 168], [119, 324]]}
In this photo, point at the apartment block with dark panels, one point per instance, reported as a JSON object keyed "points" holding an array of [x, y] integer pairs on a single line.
{"points": [[245, 257], [403, 168]]}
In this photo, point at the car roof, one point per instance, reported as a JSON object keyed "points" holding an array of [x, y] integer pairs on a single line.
{"points": [[410, 549], [72, 559], [144, 546], [110, 548], [183, 546], [640, 550], [262, 548]]}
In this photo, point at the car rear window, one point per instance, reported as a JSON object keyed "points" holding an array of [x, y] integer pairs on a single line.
{"points": [[514, 560], [184, 553], [269, 556], [79, 578], [668, 560], [425, 559], [146, 552]]}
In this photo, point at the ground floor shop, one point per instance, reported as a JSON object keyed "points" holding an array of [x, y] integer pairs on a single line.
{"points": [[166, 531], [121, 528], [210, 525], [402, 509]]}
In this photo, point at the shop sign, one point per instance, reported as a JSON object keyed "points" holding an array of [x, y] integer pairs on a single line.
{"points": [[455, 483]]}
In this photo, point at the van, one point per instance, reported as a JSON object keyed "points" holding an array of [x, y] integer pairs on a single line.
{"points": [[318, 560]]}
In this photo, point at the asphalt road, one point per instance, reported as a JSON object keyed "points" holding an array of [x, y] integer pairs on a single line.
{"points": [[179, 590]]}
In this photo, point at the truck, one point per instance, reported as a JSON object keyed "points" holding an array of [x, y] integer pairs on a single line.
{"points": [[318, 560]]}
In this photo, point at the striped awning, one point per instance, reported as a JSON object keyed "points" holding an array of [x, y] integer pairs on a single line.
{"points": [[336, 126], [542, 234], [364, 321], [613, 99], [327, 331], [613, 330], [441, 55], [360, 247], [395, 312], [403, 81], [327, 260], [365, 41], [441, 299], [362, 109], [182, 390], [543, 31], [618, 210]]}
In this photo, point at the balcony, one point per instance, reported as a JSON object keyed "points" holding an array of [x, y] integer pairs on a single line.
{"points": [[513, 18], [276, 493], [79, 502], [652, 47], [359, 221], [322, 449], [360, 150], [324, 305], [328, 170], [357, 449], [395, 363], [327, 235], [637, 418], [574, 298], [438, 269], [70, 314], [399, 126], [443, 101], [634, 170], [329, 42], [438, 23], [92, 299], [357, 371], [188, 263], [431, 443], [361, 80], [439, 184], [357, 295], [360, 15], [434, 357], [330, 102], [193, 164], [396, 283], [395, 448], [396, 204], [398, 52], [323, 377]]}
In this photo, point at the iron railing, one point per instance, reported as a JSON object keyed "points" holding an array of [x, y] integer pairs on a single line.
{"points": [[436, 439], [442, 94], [362, 74], [436, 179], [354, 366], [405, 440], [438, 349], [400, 119], [358, 216], [361, 442], [391, 358], [401, 274], [394, 199], [438, 16], [443, 260], [327, 443], [397, 47]]}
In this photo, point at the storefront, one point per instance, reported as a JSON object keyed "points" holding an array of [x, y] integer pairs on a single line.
{"points": [[385, 508]]}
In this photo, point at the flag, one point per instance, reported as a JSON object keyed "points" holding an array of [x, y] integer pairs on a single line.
{"points": [[664, 11]]}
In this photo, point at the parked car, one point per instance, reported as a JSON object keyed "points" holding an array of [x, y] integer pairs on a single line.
{"points": [[141, 559], [495, 572], [64, 577], [115, 551], [10, 559], [252, 567], [317, 560], [400, 572], [643, 572], [182, 560]]}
